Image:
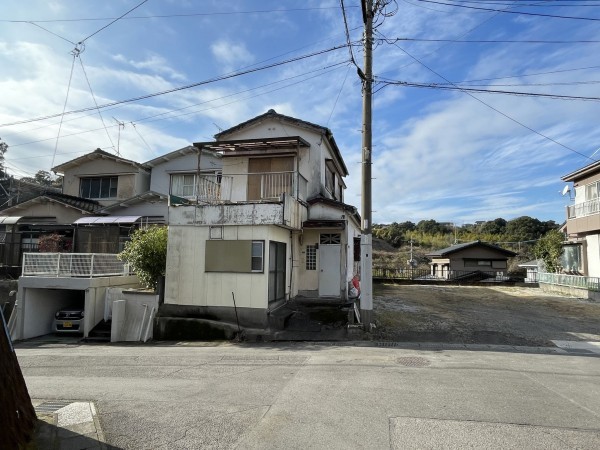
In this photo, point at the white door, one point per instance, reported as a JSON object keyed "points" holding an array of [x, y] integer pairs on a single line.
{"points": [[329, 266]]}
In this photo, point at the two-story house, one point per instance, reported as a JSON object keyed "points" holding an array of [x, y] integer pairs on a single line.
{"points": [[582, 252], [271, 227]]}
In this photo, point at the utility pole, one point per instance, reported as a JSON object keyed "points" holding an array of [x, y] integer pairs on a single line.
{"points": [[366, 244]]}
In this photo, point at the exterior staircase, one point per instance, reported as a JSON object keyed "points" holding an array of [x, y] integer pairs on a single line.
{"points": [[100, 333]]}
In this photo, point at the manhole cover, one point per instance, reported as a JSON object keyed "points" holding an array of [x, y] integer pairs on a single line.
{"points": [[413, 361]]}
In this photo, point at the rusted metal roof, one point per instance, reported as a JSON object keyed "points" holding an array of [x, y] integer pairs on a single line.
{"points": [[248, 145]]}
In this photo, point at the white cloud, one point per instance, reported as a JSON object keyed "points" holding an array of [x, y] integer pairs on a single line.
{"points": [[231, 54], [153, 63]]}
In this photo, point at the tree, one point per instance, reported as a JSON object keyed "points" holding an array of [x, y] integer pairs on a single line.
{"points": [[496, 226], [550, 249], [525, 228], [146, 253], [42, 177]]}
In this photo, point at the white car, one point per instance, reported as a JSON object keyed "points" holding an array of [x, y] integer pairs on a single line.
{"points": [[68, 320]]}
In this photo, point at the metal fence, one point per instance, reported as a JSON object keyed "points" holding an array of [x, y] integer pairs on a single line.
{"points": [[391, 273], [576, 281], [84, 265]]}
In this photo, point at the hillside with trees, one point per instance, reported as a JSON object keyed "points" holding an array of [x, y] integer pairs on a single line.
{"points": [[391, 242]]}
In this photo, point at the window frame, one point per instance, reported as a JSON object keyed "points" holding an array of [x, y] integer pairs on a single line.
{"points": [[311, 257], [113, 192], [261, 256]]}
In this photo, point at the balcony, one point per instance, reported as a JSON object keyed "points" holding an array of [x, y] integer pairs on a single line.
{"points": [[249, 187], [70, 265], [583, 209], [583, 217]]}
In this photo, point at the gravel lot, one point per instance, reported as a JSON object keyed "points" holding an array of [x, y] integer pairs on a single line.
{"points": [[481, 315]]}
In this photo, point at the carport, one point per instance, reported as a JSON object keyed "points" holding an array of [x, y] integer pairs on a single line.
{"points": [[41, 295]]}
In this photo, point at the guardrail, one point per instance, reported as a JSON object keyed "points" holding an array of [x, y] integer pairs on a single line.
{"points": [[67, 265], [576, 281]]}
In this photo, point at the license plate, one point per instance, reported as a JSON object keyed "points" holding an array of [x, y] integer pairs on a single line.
{"points": [[67, 324]]}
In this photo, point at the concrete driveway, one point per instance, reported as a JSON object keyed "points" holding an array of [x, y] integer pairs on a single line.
{"points": [[274, 396]]}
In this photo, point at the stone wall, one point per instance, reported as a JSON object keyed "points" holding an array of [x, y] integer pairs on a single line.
{"points": [[17, 416]]}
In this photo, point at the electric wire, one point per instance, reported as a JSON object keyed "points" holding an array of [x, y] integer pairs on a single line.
{"points": [[154, 118], [141, 137], [348, 41], [166, 16], [181, 88], [450, 86], [95, 102], [493, 108], [338, 97], [52, 32], [496, 41], [115, 20], [524, 13], [64, 108]]}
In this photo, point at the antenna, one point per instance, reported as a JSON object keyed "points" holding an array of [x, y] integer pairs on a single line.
{"points": [[121, 126], [567, 190]]}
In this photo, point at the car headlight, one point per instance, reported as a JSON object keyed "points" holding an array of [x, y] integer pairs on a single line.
{"points": [[56, 315], [82, 314]]}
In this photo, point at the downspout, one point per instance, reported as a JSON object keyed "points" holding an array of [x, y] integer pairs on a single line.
{"points": [[291, 264]]}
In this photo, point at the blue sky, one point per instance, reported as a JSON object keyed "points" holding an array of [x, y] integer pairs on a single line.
{"points": [[437, 154]]}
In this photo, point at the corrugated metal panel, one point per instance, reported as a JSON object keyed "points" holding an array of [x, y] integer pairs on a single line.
{"points": [[8, 220], [106, 219]]}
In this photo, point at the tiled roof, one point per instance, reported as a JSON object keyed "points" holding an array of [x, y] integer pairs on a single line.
{"points": [[457, 247]]}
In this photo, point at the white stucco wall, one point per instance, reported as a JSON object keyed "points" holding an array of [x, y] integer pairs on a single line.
{"points": [[593, 255], [185, 163], [187, 283]]}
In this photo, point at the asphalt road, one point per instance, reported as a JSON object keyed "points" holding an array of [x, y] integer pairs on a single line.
{"points": [[275, 396]]}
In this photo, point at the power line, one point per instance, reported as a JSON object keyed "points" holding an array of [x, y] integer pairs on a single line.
{"points": [[493, 108], [109, 24], [95, 102], [64, 106], [166, 16], [52, 32], [506, 11], [529, 74], [181, 88], [495, 41], [450, 86], [148, 118]]}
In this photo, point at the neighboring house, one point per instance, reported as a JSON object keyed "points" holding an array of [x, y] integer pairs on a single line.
{"points": [[469, 257], [22, 225], [103, 177], [270, 228], [582, 252]]}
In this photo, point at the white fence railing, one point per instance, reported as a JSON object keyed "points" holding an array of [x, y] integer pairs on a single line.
{"points": [[66, 265], [583, 209], [576, 281]]}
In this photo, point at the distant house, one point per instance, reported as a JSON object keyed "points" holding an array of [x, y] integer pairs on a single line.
{"points": [[272, 226], [469, 257], [582, 252]]}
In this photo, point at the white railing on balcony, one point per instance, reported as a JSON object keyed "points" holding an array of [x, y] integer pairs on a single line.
{"points": [[273, 184], [214, 188], [583, 209], [67, 265]]}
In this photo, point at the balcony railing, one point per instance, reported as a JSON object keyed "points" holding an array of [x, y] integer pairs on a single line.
{"points": [[583, 209], [67, 265], [214, 189]]}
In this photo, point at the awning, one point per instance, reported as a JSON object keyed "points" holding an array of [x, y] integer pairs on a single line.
{"points": [[106, 220], [9, 220]]}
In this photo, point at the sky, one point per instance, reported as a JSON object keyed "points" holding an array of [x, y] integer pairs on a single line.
{"points": [[450, 155]]}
